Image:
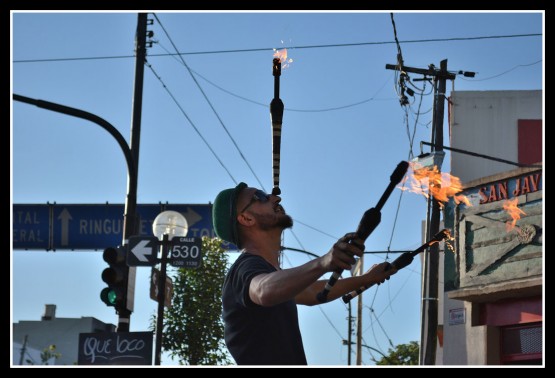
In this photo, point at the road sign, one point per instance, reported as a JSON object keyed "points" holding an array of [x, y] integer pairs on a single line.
{"points": [[94, 226], [154, 275], [142, 251], [186, 252], [31, 226]]}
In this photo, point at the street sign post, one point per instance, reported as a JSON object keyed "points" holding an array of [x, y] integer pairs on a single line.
{"points": [[186, 252], [168, 287], [142, 251]]}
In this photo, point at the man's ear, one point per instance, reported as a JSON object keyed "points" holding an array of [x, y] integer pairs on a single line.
{"points": [[245, 219]]}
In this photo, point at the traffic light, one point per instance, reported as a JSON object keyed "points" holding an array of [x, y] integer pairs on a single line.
{"points": [[115, 295]]}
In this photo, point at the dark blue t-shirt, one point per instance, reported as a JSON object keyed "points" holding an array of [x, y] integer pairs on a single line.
{"points": [[257, 335]]}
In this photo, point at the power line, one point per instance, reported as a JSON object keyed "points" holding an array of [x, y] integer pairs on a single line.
{"points": [[322, 311], [290, 48], [315, 229], [191, 122], [383, 330], [292, 109], [505, 72], [329, 321], [210, 104], [410, 155]]}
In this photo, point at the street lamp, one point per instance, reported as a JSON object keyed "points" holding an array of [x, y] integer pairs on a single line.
{"points": [[428, 160], [166, 225], [170, 223]]}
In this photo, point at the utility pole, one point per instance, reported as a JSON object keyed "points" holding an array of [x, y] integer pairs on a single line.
{"points": [[359, 315], [130, 212], [350, 332], [431, 258], [431, 299]]}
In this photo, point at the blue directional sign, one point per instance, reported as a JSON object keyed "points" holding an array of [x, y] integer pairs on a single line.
{"points": [[87, 226], [94, 226], [31, 227]]}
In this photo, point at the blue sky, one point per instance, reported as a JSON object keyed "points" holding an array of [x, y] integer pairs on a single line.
{"points": [[335, 163]]}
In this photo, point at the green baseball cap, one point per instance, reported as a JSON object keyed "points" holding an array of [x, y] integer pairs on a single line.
{"points": [[224, 214]]}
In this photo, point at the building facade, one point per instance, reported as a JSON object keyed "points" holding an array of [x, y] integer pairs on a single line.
{"points": [[63, 333], [493, 277]]}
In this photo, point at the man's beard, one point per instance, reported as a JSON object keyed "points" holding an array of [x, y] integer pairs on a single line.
{"points": [[269, 221]]}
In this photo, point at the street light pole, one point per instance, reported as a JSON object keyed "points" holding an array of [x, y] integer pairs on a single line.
{"points": [[131, 153], [131, 198], [166, 225], [161, 300]]}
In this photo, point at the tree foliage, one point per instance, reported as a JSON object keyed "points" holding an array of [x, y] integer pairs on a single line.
{"points": [[193, 327], [47, 356], [404, 354]]}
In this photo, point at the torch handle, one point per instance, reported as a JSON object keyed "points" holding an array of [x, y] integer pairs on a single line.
{"points": [[368, 223], [401, 261], [370, 220]]}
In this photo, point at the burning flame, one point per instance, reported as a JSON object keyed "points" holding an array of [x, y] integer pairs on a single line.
{"points": [[282, 55], [511, 206], [441, 185], [447, 238], [449, 241]]}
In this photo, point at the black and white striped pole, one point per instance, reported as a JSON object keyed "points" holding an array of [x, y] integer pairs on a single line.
{"points": [[276, 114]]}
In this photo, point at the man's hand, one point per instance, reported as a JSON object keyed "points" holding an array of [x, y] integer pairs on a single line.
{"points": [[341, 255], [377, 274]]}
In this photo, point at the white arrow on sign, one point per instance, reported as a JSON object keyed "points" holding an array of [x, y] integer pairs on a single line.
{"points": [[192, 217], [65, 217], [141, 250]]}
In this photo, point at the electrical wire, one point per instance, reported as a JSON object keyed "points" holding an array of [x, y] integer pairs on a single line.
{"points": [[293, 109], [503, 73], [315, 229], [191, 122], [322, 311], [290, 48], [190, 71], [400, 54], [210, 104], [382, 328]]}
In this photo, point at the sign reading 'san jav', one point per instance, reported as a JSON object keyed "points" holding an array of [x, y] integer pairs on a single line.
{"points": [[115, 348], [513, 187]]}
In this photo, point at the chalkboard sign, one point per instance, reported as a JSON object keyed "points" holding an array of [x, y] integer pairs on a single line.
{"points": [[115, 348]]}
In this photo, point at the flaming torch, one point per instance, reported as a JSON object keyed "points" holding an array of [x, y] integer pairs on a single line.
{"points": [[403, 260], [276, 114], [370, 220]]}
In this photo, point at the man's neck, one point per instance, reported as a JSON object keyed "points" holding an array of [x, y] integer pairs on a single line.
{"points": [[268, 251]]}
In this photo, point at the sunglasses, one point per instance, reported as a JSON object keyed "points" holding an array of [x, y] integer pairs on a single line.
{"points": [[259, 195]]}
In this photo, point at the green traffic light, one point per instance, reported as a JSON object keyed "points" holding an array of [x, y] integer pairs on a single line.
{"points": [[108, 296], [112, 296], [115, 275]]}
